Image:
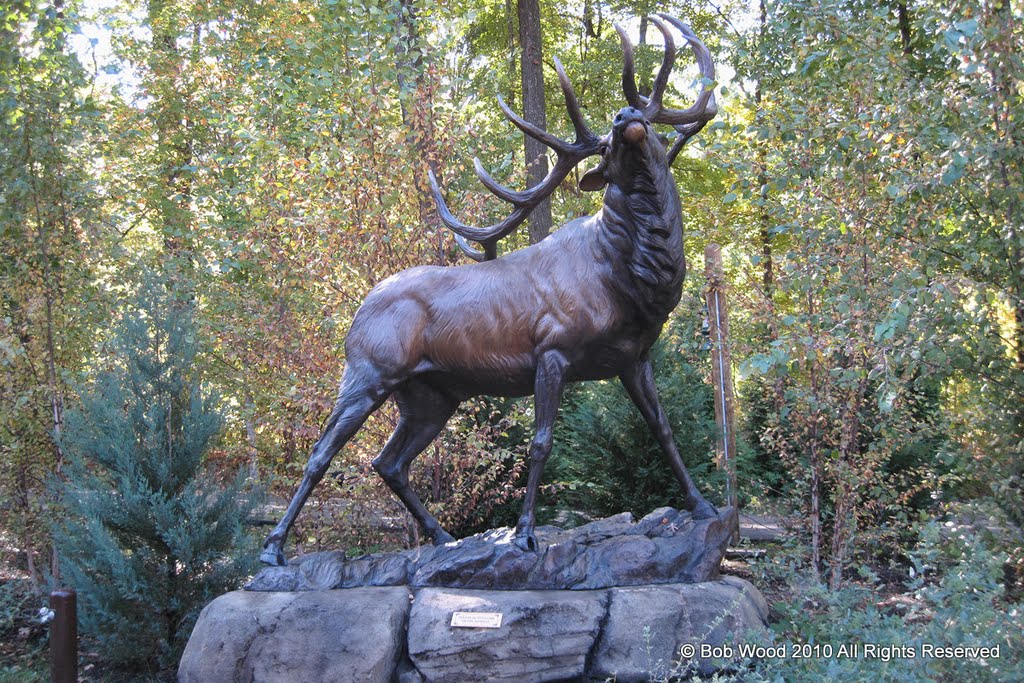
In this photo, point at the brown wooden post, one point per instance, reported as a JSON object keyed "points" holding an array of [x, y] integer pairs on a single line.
{"points": [[721, 369], [64, 636]]}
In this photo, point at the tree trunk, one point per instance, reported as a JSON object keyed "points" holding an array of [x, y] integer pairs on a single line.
{"points": [[845, 524], [764, 219], [903, 16], [531, 61], [815, 456], [815, 465]]}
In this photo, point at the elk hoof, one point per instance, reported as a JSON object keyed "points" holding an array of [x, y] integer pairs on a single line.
{"points": [[441, 537], [527, 541], [704, 510], [274, 556]]}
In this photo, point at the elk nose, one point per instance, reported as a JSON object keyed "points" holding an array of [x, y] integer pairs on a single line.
{"points": [[628, 112]]}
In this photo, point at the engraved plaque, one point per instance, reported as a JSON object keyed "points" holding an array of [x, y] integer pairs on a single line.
{"points": [[476, 620]]}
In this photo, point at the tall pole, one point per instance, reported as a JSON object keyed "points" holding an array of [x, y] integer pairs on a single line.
{"points": [[721, 368]]}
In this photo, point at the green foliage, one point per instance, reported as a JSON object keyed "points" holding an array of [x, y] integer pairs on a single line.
{"points": [[23, 637], [47, 302], [605, 459], [477, 477], [956, 599], [873, 168], [148, 536]]}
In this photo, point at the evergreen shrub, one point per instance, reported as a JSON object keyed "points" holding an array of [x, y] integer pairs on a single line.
{"points": [[148, 535]]}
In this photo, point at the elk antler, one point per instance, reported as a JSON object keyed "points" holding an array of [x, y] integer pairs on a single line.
{"points": [[568, 156], [688, 122]]}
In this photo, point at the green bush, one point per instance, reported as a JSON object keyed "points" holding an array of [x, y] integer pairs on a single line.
{"points": [[148, 536], [955, 599], [23, 637]]}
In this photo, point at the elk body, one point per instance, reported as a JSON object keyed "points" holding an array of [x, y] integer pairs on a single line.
{"points": [[586, 303]]}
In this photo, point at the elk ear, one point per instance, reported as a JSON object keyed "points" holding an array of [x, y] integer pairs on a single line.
{"points": [[593, 180]]}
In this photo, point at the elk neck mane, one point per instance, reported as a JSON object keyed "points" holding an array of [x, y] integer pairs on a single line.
{"points": [[639, 224]]}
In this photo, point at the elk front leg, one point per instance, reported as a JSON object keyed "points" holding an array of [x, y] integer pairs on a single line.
{"points": [[548, 388], [639, 383]]}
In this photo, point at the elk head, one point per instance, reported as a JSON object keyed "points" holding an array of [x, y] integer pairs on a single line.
{"points": [[631, 144]]}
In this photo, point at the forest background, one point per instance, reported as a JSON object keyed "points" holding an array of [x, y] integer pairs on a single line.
{"points": [[864, 176]]}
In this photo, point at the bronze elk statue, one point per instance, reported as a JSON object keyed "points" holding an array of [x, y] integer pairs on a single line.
{"points": [[586, 303]]}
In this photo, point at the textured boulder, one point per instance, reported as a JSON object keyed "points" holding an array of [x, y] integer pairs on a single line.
{"points": [[346, 635], [610, 599], [544, 635], [377, 635], [666, 546], [647, 626]]}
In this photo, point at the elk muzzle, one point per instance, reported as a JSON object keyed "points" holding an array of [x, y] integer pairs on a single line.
{"points": [[631, 125], [635, 133]]}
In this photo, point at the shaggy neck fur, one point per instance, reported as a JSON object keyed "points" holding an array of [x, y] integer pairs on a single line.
{"points": [[643, 224]]}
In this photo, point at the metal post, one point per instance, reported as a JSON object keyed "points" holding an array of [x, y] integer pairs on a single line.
{"points": [[721, 369], [64, 636]]}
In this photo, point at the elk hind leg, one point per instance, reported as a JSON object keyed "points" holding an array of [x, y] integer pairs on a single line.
{"points": [[359, 397], [424, 412]]}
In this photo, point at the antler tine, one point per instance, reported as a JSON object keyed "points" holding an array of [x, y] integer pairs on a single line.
{"points": [[489, 253], [700, 50], [686, 131], [705, 108], [482, 235], [496, 188], [533, 131], [628, 70], [583, 133], [653, 107], [567, 155], [464, 232]]}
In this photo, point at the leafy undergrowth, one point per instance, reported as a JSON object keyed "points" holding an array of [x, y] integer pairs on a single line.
{"points": [[23, 637], [884, 627]]}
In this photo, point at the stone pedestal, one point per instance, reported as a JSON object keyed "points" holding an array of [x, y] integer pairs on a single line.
{"points": [[379, 635], [611, 599]]}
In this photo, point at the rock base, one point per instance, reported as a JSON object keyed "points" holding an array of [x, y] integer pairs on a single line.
{"points": [[666, 546], [404, 634]]}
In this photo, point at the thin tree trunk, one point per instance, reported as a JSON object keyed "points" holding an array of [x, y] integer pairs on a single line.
{"points": [[815, 464], [250, 436], [532, 66], [44, 228], [903, 17], [815, 459], [511, 41], [764, 219], [845, 524]]}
